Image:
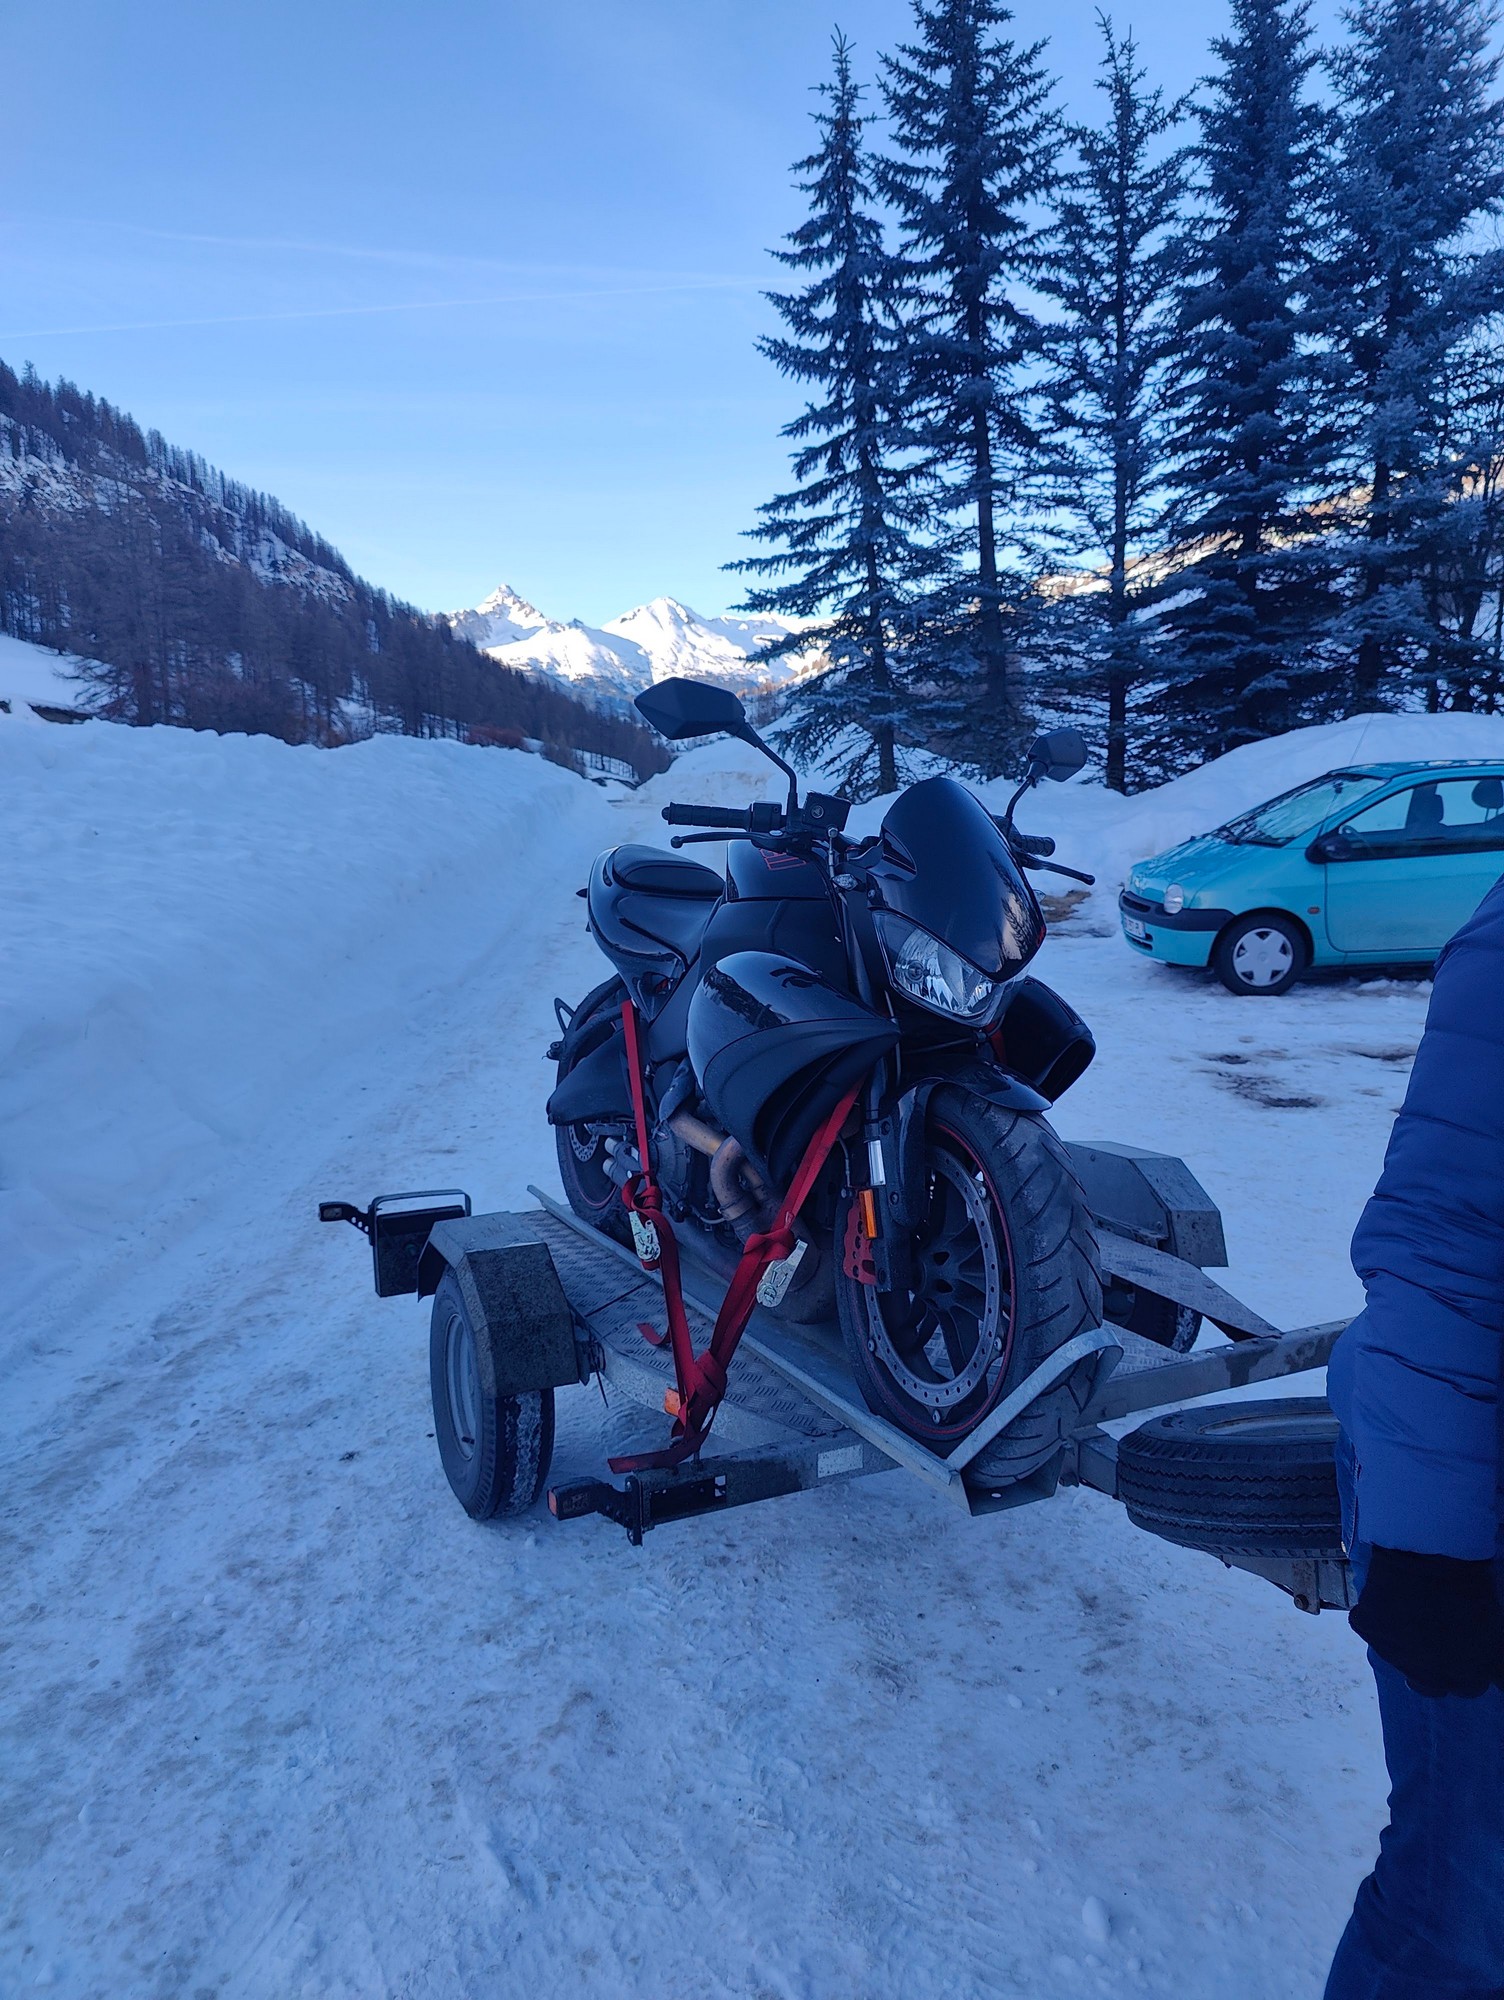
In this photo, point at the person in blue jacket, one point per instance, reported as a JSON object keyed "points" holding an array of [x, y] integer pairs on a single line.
{"points": [[1415, 1382]]}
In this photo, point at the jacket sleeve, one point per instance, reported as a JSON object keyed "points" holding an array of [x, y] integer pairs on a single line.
{"points": [[1416, 1378]]}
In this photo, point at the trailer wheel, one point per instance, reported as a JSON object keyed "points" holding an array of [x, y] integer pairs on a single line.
{"points": [[1254, 1478], [1151, 1317], [495, 1449]]}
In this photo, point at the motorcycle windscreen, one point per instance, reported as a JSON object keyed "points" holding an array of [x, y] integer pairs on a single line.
{"points": [[776, 1048], [944, 865]]}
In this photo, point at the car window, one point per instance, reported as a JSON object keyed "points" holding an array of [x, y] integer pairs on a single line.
{"points": [[1299, 811], [1445, 815]]}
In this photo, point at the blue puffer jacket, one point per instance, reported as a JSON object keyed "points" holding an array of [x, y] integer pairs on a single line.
{"points": [[1415, 1380]]}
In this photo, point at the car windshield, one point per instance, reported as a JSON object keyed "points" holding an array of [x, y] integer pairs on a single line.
{"points": [[1294, 813]]}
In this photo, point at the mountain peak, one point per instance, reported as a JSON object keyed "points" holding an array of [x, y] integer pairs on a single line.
{"points": [[651, 642], [498, 619]]}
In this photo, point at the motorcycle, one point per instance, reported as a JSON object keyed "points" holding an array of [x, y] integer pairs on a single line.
{"points": [[827, 1073]]}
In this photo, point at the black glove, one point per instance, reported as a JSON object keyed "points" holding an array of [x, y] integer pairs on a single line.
{"points": [[1435, 1619]]}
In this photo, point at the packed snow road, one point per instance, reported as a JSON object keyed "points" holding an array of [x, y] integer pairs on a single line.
{"points": [[280, 1721]]}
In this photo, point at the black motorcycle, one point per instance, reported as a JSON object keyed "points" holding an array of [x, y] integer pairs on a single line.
{"points": [[945, 1232]]}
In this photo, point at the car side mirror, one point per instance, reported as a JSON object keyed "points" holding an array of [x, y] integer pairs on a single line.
{"points": [[1337, 845], [1058, 754], [680, 708]]}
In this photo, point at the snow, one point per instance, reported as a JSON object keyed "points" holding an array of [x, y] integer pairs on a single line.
{"points": [[280, 1721], [677, 640], [38, 676], [615, 661], [498, 619]]}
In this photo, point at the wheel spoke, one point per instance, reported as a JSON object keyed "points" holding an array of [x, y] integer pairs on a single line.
{"points": [[958, 1345], [941, 1341]]}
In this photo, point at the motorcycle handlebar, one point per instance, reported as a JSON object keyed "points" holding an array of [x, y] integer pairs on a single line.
{"points": [[1038, 844], [761, 818]]}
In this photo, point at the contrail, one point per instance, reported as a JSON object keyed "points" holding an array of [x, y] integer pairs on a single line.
{"points": [[360, 252], [413, 305]]}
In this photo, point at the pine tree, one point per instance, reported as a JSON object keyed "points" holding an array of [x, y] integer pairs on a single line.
{"points": [[1459, 560], [1112, 271], [1421, 165], [850, 555], [1252, 449], [978, 137]]}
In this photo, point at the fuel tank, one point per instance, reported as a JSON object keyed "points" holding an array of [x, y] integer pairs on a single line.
{"points": [[776, 1047], [759, 875]]}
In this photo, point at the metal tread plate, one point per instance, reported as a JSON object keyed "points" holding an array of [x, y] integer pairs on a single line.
{"points": [[614, 1302]]}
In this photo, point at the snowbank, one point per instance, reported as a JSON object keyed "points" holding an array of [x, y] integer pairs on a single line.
{"points": [[1104, 833], [194, 924], [35, 674]]}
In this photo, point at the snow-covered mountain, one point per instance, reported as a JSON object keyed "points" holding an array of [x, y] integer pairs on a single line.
{"points": [[498, 619], [617, 660]]}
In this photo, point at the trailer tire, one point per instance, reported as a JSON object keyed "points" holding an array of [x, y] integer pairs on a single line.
{"points": [[1251, 1478], [1151, 1317], [495, 1450]]}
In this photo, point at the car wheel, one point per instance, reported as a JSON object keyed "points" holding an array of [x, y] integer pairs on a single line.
{"points": [[1263, 953]]}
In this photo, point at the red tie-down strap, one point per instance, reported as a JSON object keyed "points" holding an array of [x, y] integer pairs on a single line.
{"points": [[702, 1378]]}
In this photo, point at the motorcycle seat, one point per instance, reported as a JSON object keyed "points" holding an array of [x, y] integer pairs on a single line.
{"points": [[653, 873]]}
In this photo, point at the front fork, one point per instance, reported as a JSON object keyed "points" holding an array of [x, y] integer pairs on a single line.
{"points": [[880, 1196], [879, 1246]]}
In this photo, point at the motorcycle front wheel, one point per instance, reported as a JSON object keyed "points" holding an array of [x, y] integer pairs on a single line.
{"points": [[1004, 1271]]}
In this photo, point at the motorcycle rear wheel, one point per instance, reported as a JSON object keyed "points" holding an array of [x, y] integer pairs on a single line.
{"points": [[1005, 1272], [588, 1186]]}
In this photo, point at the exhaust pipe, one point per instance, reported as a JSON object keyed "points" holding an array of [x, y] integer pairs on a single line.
{"points": [[741, 1193], [695, 1132]]}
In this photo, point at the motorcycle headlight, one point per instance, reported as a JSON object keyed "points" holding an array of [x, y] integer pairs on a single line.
{"points": [[931, 973]]}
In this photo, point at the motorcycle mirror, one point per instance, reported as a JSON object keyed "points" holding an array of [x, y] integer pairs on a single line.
{"points": [[679, 708], [1058, 754]]}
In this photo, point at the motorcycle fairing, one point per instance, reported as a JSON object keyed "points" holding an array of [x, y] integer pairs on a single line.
{"points": [[648, 911], [595, 1088], [942, 863], [805, 930], [1043, 1039], [776, 1047]]}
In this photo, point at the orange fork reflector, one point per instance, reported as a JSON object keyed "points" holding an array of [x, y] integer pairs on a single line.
{"points": [[672, 1402], [867, 1205]]}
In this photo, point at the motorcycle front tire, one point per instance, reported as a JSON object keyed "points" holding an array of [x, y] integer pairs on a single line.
{"points": [[1005, 1272]]}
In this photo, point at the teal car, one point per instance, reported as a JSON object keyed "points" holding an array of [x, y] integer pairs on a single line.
{"points": [[1377, 865]]}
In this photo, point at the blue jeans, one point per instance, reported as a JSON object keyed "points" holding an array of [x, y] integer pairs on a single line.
{"points": [[1428, 1923]]}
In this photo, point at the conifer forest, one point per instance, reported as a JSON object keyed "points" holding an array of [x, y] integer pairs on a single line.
{"points": [[192, 600], [1185, 423]]}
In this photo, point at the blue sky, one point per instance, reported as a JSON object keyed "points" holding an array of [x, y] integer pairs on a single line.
{"points": [[473, 288]]}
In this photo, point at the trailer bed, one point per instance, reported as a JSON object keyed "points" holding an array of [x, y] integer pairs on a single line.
{"points": [[790, 1419]]}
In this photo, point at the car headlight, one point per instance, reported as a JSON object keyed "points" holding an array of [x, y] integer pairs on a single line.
{"points": [[931, 973], [1174, 900]]}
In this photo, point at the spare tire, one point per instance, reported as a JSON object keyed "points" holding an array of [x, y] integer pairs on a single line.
{"points": [[1252, 1478]]}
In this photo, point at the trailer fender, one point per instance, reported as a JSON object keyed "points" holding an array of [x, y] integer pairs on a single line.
{"points": [[1153, 1198], [525, 1330]]}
